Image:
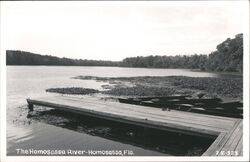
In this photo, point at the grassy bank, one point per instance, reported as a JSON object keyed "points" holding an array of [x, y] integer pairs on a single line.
{"points": [[226, 88]]}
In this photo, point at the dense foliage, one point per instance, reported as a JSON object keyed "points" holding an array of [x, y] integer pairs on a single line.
{"points": [[27, 58], [227, 57], [189, 62]]}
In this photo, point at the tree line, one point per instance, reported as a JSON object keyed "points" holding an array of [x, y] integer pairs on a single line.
{"points": [[227, 57], [185, 62], [28, 58]]}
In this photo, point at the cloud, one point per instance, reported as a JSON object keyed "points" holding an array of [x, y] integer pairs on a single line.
{"points": [[113, 32]]}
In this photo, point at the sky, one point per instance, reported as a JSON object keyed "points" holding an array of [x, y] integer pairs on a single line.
{"points": [[116, 30]]}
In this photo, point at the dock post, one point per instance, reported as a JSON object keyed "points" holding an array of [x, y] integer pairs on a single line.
{"points": [[30, 106]]}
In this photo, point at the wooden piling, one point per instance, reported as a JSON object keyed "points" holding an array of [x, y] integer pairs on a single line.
{"points": [[30, 105]]}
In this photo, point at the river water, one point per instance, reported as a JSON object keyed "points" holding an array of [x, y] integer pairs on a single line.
{"points": [[31, 81]]}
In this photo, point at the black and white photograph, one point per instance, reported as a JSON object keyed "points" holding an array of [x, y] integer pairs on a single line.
{"points": [[124, 80]]}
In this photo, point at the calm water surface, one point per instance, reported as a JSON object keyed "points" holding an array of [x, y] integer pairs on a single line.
{"points": [[31, 81]]}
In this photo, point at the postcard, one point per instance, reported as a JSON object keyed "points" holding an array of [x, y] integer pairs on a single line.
{"points": [[124, 80]]}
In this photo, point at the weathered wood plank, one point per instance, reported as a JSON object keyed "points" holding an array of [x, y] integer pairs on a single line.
{"points": [[148, 108], [212, 106], [219, 146], [138, 120], [234, 139], [213, 148], [163, 97], [170, 116], [227, 130], [200, 117], [239, 147]]}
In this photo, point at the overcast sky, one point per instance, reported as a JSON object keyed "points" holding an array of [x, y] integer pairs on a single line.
{"points": [[113, 31]]}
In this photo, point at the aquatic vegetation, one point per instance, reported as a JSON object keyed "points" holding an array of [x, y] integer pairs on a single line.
{"points": [[72, 90]]}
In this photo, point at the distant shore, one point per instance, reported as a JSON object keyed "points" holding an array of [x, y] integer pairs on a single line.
{"points": [[225, 88], [227, 58], [218, 72]]}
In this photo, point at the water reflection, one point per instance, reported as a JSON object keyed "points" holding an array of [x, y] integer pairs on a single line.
{"points": [[152, 139], [19, 133]]}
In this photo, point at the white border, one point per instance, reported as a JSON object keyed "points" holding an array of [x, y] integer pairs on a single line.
{"points": [[133, 158], [3, 84]]}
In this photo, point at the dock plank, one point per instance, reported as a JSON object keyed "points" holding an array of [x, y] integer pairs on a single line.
{"points": [[227, 141], [161, 116], [143, 107], [170, 117], [132, 119], [234, 139], [227, 131], [213, 148], [219, 123], [239, 147]]}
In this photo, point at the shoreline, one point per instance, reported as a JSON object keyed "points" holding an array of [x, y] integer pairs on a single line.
{"points": [[219, 72], [195, 70], [225, 88]]}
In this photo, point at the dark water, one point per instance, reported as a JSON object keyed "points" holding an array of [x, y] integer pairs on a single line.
{"points": [[50, 129]]}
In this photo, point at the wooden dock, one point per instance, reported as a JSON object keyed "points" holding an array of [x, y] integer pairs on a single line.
{"points": [[227, 131]]}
